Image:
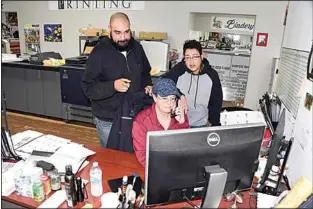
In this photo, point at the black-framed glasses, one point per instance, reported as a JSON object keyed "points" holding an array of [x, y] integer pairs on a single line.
{"points": [[188, 59]]}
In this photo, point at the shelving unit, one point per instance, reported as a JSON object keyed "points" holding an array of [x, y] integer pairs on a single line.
{"points": [[85, 38], [15, 46]]}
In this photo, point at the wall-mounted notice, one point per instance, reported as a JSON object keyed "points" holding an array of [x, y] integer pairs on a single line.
{"points": [[233, 72]]}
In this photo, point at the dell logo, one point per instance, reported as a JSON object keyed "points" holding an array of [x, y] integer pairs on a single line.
{"points": [[213, 139]]}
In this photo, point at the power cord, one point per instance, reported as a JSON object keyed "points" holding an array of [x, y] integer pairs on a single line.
{"points": [[189, 201]]}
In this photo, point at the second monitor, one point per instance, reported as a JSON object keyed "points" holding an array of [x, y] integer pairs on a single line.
{"points": [[201, 163]]}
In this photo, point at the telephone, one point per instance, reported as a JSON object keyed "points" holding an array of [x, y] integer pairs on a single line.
{"points": [[173, 114]]}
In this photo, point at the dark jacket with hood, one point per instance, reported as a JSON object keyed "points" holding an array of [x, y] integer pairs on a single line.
{"points": [[203, 93], [107, 63]]}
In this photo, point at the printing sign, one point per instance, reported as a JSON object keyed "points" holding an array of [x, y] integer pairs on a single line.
{"points": [[232, 24], [96, 5], [213, 139]]}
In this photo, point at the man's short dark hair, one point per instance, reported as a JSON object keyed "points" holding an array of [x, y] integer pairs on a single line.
{"points": [[193, 44]]}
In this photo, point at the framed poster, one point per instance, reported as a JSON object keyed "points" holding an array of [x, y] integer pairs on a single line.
{"points": [[52, 32], [261, 39], [32, 38]]}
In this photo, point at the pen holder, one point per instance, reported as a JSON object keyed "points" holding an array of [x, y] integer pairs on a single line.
{"points": [[114, 184]]}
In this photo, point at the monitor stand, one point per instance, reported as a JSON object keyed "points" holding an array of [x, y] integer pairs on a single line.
{"points": [[215, 177]]}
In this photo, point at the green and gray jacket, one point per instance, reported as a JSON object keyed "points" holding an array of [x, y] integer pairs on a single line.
{"points": [[203, 93]]}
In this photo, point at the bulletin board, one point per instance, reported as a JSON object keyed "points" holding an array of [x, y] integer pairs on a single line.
{"points": [[233, 72], [291, 74]]}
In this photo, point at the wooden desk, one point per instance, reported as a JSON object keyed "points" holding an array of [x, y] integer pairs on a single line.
{"points": [[114, 164]]}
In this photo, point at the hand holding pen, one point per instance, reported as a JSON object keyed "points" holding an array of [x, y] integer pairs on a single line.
{"points": [[122, 84]]}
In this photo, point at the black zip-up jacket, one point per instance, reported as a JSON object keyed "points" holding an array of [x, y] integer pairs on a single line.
{"points": [[216, 95], [106, 64]]}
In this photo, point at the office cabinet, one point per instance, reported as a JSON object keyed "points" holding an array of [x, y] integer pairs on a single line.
{"points": [[52, 93], [34, 91], [14, 87]]}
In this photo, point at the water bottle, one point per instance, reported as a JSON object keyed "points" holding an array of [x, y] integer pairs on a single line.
{"points": [[96, 180]]}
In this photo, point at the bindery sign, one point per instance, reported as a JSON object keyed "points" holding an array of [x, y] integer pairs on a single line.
{"points": [[232, 24], [78, 5]]}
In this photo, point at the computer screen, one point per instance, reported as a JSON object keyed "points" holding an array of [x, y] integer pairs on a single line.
{"points": [[175, 160]]}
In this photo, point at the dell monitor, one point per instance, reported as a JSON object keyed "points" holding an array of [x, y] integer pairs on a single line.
{"points": [[201, 163]]}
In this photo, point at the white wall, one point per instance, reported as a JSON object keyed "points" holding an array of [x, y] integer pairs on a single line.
{"points": [[298, 35], [298, 32], [192, 17], [165, 16]]}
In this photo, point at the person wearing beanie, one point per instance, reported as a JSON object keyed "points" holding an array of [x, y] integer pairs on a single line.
{"points": [[160, 116]]}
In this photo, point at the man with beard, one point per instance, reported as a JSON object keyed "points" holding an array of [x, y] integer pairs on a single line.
{"points": [[116, 65]]}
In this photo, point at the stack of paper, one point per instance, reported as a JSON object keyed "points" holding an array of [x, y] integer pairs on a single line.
{"points": [[65, 151], [241, 117], [75, 157], [266, 201], [23, 155], [45, 143], [22, 138], [69, 154], [8, 172]]}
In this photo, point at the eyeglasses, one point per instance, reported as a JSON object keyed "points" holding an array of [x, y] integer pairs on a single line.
{"points": [[168, 99], [188, 59]]}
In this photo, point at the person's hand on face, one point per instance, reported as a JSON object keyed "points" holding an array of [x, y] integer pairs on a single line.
{"points": [[122, 84], [183, 103], [180, 116]]}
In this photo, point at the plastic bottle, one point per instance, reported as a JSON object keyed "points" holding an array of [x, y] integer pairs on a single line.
{"points": [[70, 187], [124, 184], [96, 180]]}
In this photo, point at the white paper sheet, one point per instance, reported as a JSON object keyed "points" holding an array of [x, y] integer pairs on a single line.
{"points": [[55, 200], [45, 143], [8, 184], [24, 137], [266, 201]]}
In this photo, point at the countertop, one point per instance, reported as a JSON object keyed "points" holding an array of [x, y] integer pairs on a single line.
{"points": [[39, 67], [51, 68], [225, 52]]}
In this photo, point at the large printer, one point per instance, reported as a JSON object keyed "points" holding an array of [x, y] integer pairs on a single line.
{"points": [[76, 106]]}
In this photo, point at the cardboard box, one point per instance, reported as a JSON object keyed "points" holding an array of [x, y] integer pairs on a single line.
{"points": [[152, 36], [93, 32]]}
